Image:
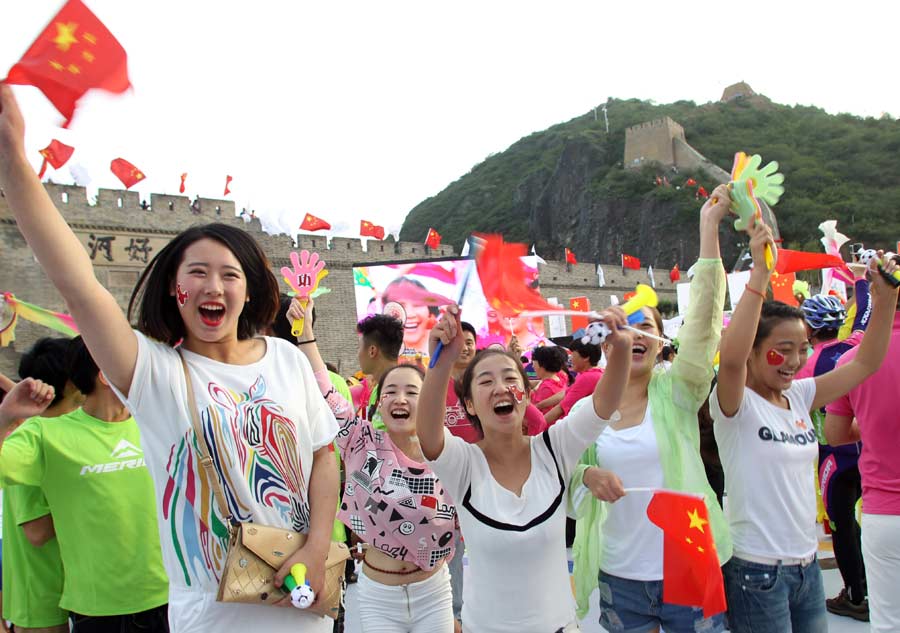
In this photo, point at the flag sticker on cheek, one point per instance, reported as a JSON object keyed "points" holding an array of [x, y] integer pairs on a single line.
{"points": [[516, 393], [774, 357], [181, 295]]}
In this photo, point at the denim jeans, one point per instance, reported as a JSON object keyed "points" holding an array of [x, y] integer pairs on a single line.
{"points": [[774, 598], [636, 606]]}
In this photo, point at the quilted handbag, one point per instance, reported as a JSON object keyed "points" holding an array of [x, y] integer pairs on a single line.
{"points": [[256, 551]]}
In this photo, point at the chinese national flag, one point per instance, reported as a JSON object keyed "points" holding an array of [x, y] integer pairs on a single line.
{"points": [[181, 187], [794, 261], [570, 257], [504, 280], [55, 154], [674, 274], [73, 54], [433, 239], [629, 261], [312, 223], [692, 576], [783, 286], [582, 304], [228, 180], [367, 229], [690, 182], [126, 172]]}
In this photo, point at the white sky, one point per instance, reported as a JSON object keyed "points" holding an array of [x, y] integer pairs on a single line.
{"points": [[360, 110]]}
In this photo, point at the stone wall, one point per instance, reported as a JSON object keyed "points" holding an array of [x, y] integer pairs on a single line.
{"points": [[652, 142]]}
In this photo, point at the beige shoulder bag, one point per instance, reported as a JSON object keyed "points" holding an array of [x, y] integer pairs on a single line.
{"points": [[255, 551]]}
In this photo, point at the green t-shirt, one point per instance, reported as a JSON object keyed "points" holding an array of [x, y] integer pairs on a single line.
{"points": [[103, 505], [32, 576]]}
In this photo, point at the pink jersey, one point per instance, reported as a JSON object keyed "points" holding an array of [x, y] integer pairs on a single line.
{"points": [[393, 503], [547, 388], [872, 404]]}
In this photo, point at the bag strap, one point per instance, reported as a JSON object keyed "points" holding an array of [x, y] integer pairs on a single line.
{"points": [[205, 460]]}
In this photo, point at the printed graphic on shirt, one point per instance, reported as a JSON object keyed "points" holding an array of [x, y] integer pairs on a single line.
{"points": [[248, 436], [455, 414], [124, 455], [804, 437]]}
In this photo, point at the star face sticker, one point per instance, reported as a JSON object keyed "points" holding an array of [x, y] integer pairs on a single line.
{"points": [[697, 521], [774, 358]]}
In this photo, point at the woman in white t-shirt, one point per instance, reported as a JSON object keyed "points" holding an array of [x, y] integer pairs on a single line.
{"points": [[769, 449], [510, 488], [267, 426]]}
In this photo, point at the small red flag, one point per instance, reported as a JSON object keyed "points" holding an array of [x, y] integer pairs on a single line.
{"points": [[228, 180], [73, 54], [690, 182], [692, 576], [433, 240], [183, 178], [582, 304], [55, 154], [367, 229], [783, 286], [570, 257], [504, 280], [674, 274], [628, 261], [126, 172], [794, 261], [312, 223]]}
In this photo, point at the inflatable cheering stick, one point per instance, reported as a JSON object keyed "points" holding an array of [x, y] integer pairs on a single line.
{"points": [[869, 255], [597, 331], [308, 271], [302, 595]]}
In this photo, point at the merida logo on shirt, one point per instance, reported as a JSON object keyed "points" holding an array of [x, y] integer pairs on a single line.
{"points": [[801, 439], [125, 456]]}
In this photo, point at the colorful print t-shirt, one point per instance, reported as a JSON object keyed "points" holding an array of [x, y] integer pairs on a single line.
{"points": [[394, 503], [262, 422]]}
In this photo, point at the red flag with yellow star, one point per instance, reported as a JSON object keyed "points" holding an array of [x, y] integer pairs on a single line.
{"points": [[367, 229], [504, 280], [73, 54], [126, 172], [433, 239], [783, 287], [692, 576], [312, 223], [582, 304], [570, 257], [55, 154]]}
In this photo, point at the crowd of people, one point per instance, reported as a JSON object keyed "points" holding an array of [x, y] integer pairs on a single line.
{"points": [[115, 443]]}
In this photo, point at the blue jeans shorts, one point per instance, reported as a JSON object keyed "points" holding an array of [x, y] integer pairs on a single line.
{"points": [[636, 606], [774, 598]]}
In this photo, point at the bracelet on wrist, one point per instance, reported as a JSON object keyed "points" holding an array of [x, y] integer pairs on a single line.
{"points": [[754, 291], [312, 340]]}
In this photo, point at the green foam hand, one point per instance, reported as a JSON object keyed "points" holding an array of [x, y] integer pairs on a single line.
{"points": [[767, 182], [744, 204]]}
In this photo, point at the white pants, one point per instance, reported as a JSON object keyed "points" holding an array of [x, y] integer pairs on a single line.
{"points": [[419, 607], [881, 553]]}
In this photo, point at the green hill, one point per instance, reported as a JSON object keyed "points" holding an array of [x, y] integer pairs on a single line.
{"points": [[554, 187]]}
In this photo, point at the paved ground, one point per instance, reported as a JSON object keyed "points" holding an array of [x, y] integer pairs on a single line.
{"points": [[590, 624]]}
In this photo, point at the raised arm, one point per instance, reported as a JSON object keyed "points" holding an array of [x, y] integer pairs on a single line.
{"points": [[699, 336], [104, 327], [430, 413], [737, 340], [832, 385]]}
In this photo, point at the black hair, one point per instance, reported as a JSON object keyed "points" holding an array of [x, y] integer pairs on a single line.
{"points": [[463, 387], [384, 332], [773, 313], [468, 327], [158, 315], [281, 327], [433, 310], [46, 361], [668, 351], [588, 350], [82, 369], [550, 358], [416, 368]]}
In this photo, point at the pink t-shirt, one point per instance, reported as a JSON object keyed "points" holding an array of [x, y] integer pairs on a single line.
{"points": [[394, 504], [873, 405], [547, 388], [583, 386]]}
